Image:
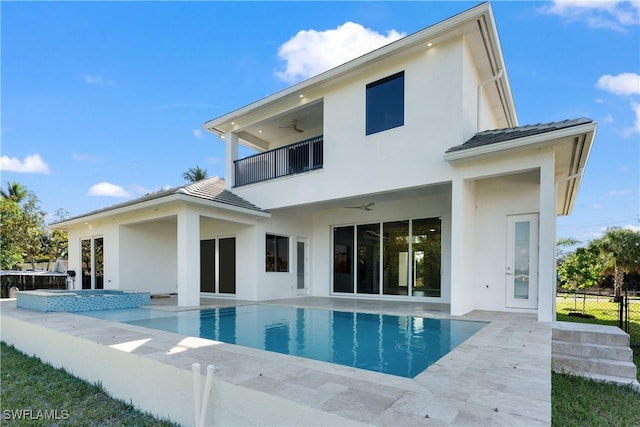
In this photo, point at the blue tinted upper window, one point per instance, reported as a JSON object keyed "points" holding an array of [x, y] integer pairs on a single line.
{"points": [[385, 103]]}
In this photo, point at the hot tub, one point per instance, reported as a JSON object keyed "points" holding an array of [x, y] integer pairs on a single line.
{"points": [[81, 300]]}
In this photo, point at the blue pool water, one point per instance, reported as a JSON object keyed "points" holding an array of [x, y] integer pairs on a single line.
{"points": [[396, 345]]}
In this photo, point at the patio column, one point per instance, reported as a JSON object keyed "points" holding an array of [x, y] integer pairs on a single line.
{"points": [[188, 258], [230, 155], [547, 241], [462, 238]]}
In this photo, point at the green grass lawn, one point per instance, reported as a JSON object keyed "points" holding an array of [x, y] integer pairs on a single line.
{"points": [[578, 401], [27, 384]]}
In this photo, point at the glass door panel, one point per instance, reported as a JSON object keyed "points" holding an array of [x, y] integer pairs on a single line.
{"points": [[426, 239], [368, 272], [227, 262], [98, 253], [396, 257], [301, 261], [87, 264], [522, 261], [343, 259], [207, 265]]}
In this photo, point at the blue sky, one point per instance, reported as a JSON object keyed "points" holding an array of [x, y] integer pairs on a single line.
{"points": [[104, 101]]}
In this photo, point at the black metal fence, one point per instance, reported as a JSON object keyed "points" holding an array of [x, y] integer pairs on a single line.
{"points": [[288, 160], [603, 307]]}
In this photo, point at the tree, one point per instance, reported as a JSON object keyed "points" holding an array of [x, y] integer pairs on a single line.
{"points": [[563, 244], [582, 269], [15, 192], [195, 174], [11, 219], [620, 249]]}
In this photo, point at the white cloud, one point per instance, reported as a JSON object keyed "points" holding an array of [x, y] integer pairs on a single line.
{"points": [[635, 228], [97, 80], [85, 157], [613, 15], [197, 133], [622, 84], [614, 193], [33, 163], [107, 189], [312, 52], [636, 109]]}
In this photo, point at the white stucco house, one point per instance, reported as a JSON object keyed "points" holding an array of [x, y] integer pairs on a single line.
{"points": [[403, 174]]}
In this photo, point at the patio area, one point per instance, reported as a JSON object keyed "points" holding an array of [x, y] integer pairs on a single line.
{"points": [[500, 376]]}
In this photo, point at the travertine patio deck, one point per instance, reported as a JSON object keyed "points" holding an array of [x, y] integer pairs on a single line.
{"points": [[500, 376]]}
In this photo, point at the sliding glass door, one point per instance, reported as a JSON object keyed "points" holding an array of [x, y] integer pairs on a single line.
{"points": [[392, 258]]}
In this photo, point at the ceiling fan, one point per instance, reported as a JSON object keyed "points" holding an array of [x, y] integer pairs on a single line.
{"points": [[362, 207], [293, 126]]}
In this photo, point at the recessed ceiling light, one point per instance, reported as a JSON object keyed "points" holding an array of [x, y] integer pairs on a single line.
{"points": [[429, 44], [259, 131], [301, 96]]}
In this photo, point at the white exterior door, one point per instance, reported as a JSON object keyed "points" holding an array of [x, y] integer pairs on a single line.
{"points": [[522, 261]]}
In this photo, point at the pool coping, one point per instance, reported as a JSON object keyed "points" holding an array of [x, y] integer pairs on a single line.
{"points": [[501, 375]]}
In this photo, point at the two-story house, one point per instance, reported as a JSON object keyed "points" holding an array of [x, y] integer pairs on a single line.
{"points": [[403, 174]]}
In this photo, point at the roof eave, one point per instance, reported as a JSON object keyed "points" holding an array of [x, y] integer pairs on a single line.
{"points": [[517, 144], [149, 204]]}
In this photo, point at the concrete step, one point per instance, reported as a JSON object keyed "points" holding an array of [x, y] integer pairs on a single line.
{"points": [[590, 334], [598, 351], [616, 368], [609, 378]]}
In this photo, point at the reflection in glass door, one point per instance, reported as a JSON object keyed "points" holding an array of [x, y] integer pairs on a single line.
{"points": [[92, 258], [343, 259], [522, 261], [368, 264], [301, 264], [396, 257]]}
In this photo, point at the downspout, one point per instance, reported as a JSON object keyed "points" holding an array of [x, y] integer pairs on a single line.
{"points": [[480, 86]]}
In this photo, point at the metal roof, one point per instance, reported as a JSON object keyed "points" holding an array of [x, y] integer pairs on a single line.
{"points": [[493, 136]]}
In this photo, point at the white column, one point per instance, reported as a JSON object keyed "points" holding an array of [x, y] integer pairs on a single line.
{"points": [[230, 155], [188, 258], [462, 238], [547, 242]]}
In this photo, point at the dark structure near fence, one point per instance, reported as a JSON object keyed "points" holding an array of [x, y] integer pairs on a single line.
{"points": [[31, 280]]}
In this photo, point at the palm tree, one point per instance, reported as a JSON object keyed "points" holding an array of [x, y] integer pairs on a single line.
{"points": [[15, 192], [195, 174], [620, 249]]}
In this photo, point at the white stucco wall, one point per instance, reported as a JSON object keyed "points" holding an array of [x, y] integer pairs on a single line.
{"points": [[148, 256], [406, 156]]}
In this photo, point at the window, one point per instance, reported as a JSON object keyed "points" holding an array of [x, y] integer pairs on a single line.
{"points": [[385, 103], [277, 253]]}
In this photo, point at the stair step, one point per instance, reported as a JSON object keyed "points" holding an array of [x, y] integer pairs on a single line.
{"points": [[618, 368], [607, 378], [590, 334], [598, 351]]}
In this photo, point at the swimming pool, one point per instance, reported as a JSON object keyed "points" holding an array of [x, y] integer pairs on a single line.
{"points": [[396, 345]]}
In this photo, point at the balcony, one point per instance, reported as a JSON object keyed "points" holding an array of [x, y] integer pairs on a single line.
{"points": [[291, 159]]}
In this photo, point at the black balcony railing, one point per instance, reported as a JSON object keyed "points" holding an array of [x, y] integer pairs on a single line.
{"points": [[288, 160]]}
